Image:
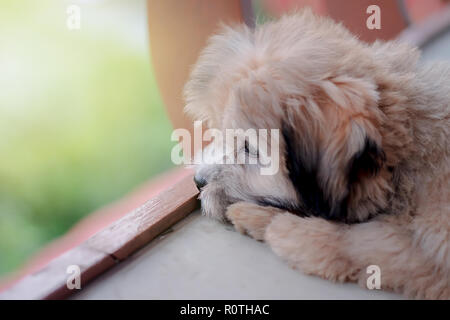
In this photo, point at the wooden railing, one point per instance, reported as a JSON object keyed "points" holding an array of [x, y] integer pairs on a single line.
{"points": [[109, 246]]}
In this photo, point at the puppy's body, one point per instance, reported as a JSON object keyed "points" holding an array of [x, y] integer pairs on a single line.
{"points": [[365, 137]]}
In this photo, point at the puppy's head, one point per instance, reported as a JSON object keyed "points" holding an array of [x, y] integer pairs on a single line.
{"points": [[322, 89]]}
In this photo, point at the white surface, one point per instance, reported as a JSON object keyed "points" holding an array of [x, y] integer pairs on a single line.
{"points": [[203, 259]]}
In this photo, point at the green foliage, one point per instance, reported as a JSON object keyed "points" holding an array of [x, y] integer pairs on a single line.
{"points": [[81, 124]]}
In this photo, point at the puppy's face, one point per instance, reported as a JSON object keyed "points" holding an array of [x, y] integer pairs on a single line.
{"points": [[312, 81]]}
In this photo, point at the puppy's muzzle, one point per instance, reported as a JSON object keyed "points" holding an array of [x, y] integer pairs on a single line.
{"points": [[200, 182]]}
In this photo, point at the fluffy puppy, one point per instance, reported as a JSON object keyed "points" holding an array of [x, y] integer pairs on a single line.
{"points": [[364, 176]]}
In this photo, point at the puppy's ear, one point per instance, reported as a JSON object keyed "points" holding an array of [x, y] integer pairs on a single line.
{"points": [[353, 95], [303, 174], [367, 162], [356, 101]]}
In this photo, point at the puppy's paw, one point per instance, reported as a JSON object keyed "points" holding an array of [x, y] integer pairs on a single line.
{"points": [[214, 201], [312, 245], [251, 219]]}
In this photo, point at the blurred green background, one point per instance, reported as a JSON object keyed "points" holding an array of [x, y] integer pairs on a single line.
{"points": [[81, 121]]}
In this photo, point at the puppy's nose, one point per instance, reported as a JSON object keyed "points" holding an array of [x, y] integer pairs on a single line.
{"points": [[199, 182]]}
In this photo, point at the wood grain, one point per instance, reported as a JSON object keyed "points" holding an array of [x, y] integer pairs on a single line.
{"points": [[109, 246]]}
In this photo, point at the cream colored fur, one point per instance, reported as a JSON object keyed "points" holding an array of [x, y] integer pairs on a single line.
{"points": [[312, 75]]}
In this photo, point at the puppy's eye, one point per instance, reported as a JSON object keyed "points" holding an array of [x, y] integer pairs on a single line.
{"points": [[250, 150]]}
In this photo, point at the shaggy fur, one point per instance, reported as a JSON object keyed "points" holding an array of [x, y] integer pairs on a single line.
{"points": [[364, 173]]}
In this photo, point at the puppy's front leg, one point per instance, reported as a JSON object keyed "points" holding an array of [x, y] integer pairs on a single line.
{"points": [[312, 245], [343, 252], [308, 244], [251, 219]]}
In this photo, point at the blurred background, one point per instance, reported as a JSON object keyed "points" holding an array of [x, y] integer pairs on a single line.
{"points": [[82, 122]]}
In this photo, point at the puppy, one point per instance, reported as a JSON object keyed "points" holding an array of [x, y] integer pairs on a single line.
{"points": [[364, 174]]}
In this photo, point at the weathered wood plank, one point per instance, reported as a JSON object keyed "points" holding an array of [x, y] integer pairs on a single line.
{"points": [[143, 224], [109, 246]]}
